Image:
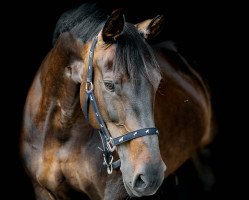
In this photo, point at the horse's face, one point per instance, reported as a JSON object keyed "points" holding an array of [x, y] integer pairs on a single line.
{"points": [[126, 101]]}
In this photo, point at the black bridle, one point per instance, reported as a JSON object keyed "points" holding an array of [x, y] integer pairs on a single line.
{"points": [[109, 143]]}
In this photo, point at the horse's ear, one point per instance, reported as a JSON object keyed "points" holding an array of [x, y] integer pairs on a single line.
{"points": [[151, 27], [113, 26]]}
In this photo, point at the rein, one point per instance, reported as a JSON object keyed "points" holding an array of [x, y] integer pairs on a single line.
{"points": [[109, 144]]}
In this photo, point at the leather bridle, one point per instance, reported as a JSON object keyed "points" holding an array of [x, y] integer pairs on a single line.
{"points": [[109, 143]]}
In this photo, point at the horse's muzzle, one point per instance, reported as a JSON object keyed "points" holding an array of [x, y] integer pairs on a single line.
{"points": [[146, 180]]}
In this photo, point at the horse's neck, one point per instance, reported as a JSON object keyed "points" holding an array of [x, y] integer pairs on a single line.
{"points": [[182, 111], [59, 92], [176, 69]]}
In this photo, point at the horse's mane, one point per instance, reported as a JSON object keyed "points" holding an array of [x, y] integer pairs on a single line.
{"points": [[83, 21], [133, 54]]}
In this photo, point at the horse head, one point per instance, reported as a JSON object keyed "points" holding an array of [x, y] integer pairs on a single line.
{"points": [[120, 76]]}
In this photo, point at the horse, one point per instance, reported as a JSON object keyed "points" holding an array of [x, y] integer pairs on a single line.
{"points": [[109, 115]]}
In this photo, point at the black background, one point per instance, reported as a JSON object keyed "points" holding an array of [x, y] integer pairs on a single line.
{"points": [[202, 30]]}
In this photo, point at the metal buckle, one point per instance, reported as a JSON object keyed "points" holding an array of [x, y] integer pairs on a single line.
{"points": [[89, 86], [110, 146], [109, 165], [109, 169]]}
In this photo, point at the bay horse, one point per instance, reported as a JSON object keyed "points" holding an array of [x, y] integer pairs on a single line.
{"points": [[107, 112]]}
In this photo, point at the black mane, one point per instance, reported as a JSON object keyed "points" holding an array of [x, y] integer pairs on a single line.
{"points": [[133, 55], [83, 21]]}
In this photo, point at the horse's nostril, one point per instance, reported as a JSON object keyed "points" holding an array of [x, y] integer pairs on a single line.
{"points": [[140, 182]]}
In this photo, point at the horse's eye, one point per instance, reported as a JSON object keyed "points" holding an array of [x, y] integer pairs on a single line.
{"points": [[109, 85]]}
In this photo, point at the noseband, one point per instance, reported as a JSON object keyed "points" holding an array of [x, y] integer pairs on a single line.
{"points": [[109, 143]]}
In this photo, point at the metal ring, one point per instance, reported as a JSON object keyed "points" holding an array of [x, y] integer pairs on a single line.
{"points": [[89, 86], [109, 166], [110, 145], [109, 169]]}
